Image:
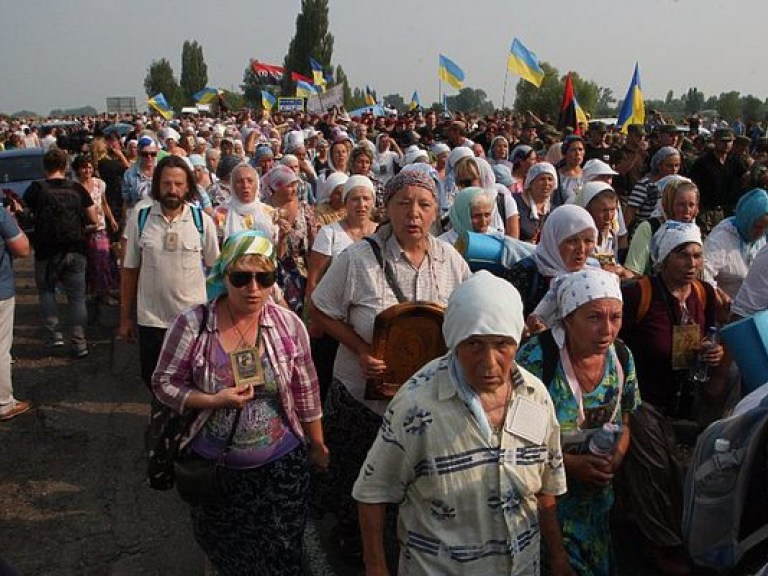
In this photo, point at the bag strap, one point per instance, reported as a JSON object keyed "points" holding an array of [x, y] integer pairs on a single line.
{"points": [[646, 292], [387, 267], [142, 218], [502, 207], [197, 218], [231, 436]]}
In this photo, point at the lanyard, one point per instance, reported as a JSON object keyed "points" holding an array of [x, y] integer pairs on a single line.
{"points": [[573, 382]]}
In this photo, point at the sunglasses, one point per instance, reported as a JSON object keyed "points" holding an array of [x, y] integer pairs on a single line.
{"points": [[264, 279], [148, 154]]}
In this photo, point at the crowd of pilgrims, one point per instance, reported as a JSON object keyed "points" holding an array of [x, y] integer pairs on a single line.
{"points": [[676, 214]]}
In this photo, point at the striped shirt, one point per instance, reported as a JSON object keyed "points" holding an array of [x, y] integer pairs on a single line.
{"points": [[467, 499], [644, 197], [186, 363]]}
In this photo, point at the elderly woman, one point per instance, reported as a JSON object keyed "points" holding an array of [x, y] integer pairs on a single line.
{"points": [[386, 157], [534, 203], [358, 198], [642, 201], [666, 316], [569, 170], [353, 291], [463, 508], [473, 171], [296, 232], [601, 201], [306, 175], [244, 211], [679, 201], [498, 152], [731, 246], [262, 424], [591, 379], [567, 240], [330, 199], [471, 212]]}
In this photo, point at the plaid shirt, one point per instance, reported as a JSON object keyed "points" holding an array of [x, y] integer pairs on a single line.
{"points": [[186, 363]]}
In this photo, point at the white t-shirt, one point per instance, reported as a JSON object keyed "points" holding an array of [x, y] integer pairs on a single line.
{"points": [[726, 258], [510, 207], [331, 239], [752, 297]]}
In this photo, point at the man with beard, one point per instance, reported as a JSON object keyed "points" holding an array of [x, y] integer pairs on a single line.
{"points": [[167, 245]]}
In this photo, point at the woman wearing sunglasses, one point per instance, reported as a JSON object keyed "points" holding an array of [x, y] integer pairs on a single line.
{"points": [[245, 364]]}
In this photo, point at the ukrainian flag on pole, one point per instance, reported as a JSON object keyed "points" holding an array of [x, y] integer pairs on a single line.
{"points": [[206, 95], [524, 63], [370, 97], [451, 73], [305, 89], [317, 73], [160, 104], [267, 100], [414, 103], [633, 108]]}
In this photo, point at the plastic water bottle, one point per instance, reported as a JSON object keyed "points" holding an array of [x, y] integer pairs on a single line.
{"points": [[722, 445], [701, 371], [603, 442]]}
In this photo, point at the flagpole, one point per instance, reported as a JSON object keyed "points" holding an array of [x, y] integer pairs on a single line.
{"points": [[440, 85], [504, 92]]}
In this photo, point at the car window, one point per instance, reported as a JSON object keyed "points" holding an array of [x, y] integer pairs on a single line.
{"points": [[16, 168]]}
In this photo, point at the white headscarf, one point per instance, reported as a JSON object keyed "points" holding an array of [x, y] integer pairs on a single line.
{"points": [[571, 291], [471, 310], [661, 185], [252, 215], [671, 235], [326, 188], [359, 181], [589, 191], [563, 222], [533, 172]]}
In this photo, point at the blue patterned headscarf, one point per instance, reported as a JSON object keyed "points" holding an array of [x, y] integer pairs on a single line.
{"points": [[236, 246]]}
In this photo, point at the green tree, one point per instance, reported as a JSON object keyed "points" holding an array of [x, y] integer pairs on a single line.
{"points": [[160, 78], [543, 101], [606, 103], [194, 72], [251, 88], [341, 78], [587, 92], [312, 39], [729, 105], [753, 109], [472, 100], [693, 101]]}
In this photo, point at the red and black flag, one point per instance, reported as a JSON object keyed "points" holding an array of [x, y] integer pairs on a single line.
{"points": [[266, 73], [571, 114]]}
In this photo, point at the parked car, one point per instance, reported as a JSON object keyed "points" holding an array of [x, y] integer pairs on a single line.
{"points": [[19, 168]]}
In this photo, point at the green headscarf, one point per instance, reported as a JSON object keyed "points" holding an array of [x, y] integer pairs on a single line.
{"points": [[461, 210], [237, 245]]}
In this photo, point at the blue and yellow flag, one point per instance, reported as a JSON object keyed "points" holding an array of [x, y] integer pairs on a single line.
{"points": [[160, 104], [267, 100], [524, 63], [206, 95], [305, 89], [317, 73], [414, 103], [451, 73], [370, 97], [633, 108]]}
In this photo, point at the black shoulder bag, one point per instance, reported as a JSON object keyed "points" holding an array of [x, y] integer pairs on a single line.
{"points": [[197, 478]]}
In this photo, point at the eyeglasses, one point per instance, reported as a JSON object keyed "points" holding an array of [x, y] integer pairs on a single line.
{"points": [[148, 154], [239, 279]]}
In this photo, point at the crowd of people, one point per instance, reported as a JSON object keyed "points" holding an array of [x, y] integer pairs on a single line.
{"points": [[251, 256]]}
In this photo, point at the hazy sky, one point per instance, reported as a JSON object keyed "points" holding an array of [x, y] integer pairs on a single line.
{"points": [[62, 54]]}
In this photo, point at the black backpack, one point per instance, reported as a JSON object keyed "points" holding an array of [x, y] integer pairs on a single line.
{"points": [[59, 215]]}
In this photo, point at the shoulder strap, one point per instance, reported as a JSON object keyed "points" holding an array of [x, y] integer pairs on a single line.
{"points": [[142, 217], [646, 291], [502, 207], [700, 291], [197, 217], [387, 268], [550, 356], [655, 224]]}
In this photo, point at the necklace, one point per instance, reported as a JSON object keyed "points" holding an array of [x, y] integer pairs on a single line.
{"points": [[497, 427], [237, 328]]}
